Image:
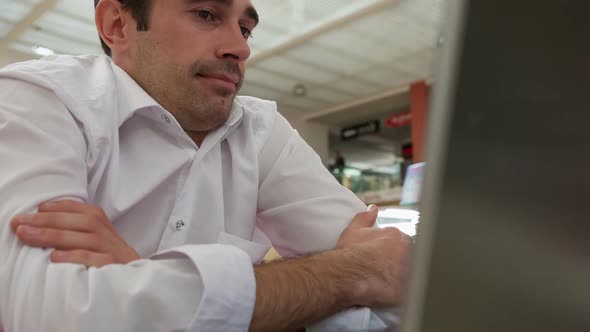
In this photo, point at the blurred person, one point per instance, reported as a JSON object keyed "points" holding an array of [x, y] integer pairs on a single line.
{"points": [[339, 162], [159, 191]]}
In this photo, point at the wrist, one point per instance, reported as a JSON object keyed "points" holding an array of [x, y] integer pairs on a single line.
{"points": [[355, 277]]}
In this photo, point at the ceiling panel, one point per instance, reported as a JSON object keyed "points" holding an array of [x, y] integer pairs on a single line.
{"points": [[304, 104], [328, 95], [59, 44], [426, 12], [258, 75], [15, 10], [346, 42], [401, 33], [284, 20], [265, 38], [356, 88], [4, 28], [418, 64], [21, 47], [388, 77], [318, 9], [331, 59], [297, 70], [84, 9], [68, 26]]}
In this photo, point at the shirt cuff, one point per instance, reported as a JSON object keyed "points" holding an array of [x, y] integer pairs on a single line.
{"points": [[358, 320], [229, 287]]}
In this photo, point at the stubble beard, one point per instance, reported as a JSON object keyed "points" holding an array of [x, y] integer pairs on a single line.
{"points": [[209, 107], [197, 108]]}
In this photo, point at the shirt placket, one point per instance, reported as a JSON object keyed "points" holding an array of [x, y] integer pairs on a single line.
{"points": [[175, 232]]}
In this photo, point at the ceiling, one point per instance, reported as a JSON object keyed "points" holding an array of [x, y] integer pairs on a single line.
{"points": [[353, 59], [339, 50]]}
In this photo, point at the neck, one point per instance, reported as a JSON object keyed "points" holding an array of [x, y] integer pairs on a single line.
{"points": [[197, 136]]}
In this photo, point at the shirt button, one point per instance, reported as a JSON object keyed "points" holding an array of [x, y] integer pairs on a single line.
{"points": [[179, 225], [166, 118]]}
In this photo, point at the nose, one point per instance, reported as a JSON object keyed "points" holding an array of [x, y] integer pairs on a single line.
{"points": [[233, 45]]}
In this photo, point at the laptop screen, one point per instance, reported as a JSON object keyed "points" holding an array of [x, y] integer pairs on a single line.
{"points": [[503, 242]]}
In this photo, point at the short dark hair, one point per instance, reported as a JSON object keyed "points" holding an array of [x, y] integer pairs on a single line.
{"points": [[140, 10]]}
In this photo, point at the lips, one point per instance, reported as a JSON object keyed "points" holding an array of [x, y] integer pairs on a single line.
{"points": [[227, 78]]}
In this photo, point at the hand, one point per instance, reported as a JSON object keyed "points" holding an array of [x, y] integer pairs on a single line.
{"points": [[80, 233], [382, 256]]}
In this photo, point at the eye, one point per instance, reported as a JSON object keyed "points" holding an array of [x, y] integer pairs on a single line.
{"points": [[247, 33], [204, 14]]}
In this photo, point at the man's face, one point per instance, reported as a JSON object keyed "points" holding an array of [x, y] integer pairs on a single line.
{"points": [[192, 58]]}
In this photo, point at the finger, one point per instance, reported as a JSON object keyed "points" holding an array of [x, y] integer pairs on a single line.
{"points": [[405, 237], [83, 257], [75, 207], [365, 219], [58, 239], [65, 205], [56, 220]]}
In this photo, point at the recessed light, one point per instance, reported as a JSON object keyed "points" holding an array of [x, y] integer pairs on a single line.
{"points": [[299, 90], [43, 51]]}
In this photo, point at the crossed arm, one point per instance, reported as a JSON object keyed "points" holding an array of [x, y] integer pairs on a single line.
{"points": [[290, 294], [169, 289]]}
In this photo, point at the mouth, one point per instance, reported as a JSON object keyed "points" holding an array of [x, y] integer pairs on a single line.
{"points": [[227, 81]]}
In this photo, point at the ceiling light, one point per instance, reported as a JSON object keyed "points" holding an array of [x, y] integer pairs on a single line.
{"points": [[299, 90], [43, 51]]}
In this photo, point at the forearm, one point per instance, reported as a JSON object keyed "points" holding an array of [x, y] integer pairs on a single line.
{"points": [[295, 293], [63, 297], [179, 290]]}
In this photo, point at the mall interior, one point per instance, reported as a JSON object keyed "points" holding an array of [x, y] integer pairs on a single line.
{"points": [[355, 78]]}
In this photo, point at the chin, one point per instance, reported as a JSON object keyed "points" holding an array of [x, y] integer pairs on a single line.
{"points": [[217, 116]]}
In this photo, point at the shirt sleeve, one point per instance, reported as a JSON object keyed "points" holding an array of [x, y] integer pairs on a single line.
{"points": [[303, 210], [42, 157]]}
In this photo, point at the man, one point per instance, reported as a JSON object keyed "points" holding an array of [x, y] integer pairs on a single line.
{"points": [[148, 170]]}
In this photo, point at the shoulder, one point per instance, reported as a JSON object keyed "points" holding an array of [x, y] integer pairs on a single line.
{"points": [[262, 111], [263, 117], [34, 116], [76, 77], [58, 66], [71, 78], [85, 85]]}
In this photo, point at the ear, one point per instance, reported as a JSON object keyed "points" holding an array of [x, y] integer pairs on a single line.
{"points": [[113, 24]]}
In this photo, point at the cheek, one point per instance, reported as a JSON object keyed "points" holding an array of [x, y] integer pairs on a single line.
{"points": [[181, 44]]}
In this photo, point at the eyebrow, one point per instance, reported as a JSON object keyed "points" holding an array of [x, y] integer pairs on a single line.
{"points": [[250, 11], [253, 14]]}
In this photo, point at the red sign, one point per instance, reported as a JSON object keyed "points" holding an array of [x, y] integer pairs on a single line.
{"points": [[399, 120]]}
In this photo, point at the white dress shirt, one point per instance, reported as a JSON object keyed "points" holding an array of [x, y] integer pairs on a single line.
{"points": [[200, 217]]}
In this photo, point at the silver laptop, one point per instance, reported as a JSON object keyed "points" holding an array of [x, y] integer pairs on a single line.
{"points": [[504, 237]]}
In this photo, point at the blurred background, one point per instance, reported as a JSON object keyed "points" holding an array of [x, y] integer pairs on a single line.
{"points": [[352, 76]]}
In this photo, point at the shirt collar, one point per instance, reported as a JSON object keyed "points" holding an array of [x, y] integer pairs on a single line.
{"points": [[133, 97]]}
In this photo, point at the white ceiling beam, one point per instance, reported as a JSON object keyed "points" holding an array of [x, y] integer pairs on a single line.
{"points": [[358, 102], [27, 22], [322, 29]]}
